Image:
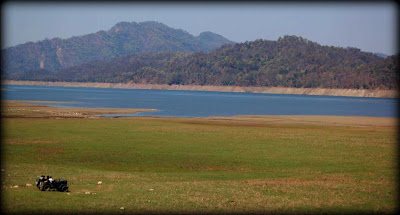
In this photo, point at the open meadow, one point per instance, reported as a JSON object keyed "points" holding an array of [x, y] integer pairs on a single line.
{"points": [[278, 164]]}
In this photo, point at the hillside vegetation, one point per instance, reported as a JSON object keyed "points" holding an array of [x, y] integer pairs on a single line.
{"points": [[123, 39], [290, 61]]}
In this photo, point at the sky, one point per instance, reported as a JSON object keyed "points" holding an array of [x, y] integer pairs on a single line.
{"points": [[372, 27]]}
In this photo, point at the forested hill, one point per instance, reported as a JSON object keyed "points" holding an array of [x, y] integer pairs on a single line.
{"points": [[125, 38], [290, 61]]}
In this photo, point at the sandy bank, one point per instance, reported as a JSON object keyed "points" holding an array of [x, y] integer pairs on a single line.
{"points": [[24, 109], [267, 90]]}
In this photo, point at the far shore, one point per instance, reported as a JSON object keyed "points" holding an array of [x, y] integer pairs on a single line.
{"points": [[266, 90]]}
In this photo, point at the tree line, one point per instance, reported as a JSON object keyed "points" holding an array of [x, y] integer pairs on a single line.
{"points": [[290, 61]]}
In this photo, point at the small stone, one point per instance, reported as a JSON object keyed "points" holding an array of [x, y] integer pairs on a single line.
{"points": [[68, 194], [87, 192], [100, 183], [151, 189], [16, 186], [29, 185], [122, 208]]}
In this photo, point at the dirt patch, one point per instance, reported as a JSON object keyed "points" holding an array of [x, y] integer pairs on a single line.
{"points": [[323, 180], [50, 151], [315, 120], [109, 187], [277, 121], [21, 109], [29, 142]]}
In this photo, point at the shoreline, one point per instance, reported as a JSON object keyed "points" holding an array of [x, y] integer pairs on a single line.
{"points": [[264, 90], [42, 109], [25, 109]]}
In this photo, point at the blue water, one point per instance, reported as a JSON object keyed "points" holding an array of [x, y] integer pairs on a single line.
{"points": [[204, 104]]}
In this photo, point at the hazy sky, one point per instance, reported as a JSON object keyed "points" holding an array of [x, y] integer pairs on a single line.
{"points": [[368, 26]]}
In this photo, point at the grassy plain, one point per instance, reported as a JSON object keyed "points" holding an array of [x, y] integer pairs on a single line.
{"points": [[278, 164]]}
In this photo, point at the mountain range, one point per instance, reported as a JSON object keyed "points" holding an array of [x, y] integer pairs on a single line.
{"points": [[125, 38], [176, 57]]}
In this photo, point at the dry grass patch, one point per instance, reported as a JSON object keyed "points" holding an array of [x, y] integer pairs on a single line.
{"points": [[353, 121], [22, 109], [29, 142], [286, 121], [47, 151]]}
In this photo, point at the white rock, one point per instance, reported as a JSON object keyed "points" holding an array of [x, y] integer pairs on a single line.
{"points": [[100, 183], [122, 208], [151, 189], [87, 192], [29, 185], [16, 186]]}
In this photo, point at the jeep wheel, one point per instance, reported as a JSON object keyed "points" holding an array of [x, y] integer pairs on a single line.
{"points": [[46, 187]]}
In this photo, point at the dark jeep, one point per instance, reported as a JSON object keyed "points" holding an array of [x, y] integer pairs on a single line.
{"points": [[58, 184]]}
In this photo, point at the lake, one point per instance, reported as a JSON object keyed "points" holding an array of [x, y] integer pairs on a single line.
{"points": [[171, 103]]}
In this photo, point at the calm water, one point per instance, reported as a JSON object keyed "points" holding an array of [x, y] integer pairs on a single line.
{"points": [[204, 104]]}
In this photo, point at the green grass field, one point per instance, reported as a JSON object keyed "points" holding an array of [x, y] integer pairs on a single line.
{"points": [[198, 165]]}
